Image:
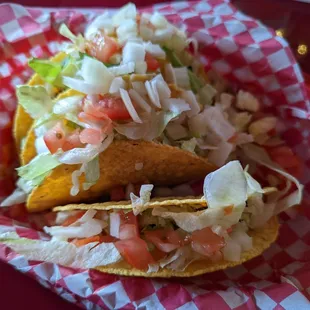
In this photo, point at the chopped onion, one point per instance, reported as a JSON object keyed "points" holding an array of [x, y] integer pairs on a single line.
{"points": [[128, 11], [198, 125], [217, 123], [101, 22], [232, 251], [115, 222], [133, 52], [94, 72], [129, 106], [116, 85], [158, 20], [175, 105], [87, 229], [155, 50], [163, 35], [138, 99], [220, 155], [40, 145], [182, 77], [146, 32], [206, 94], [123, 69], [141, 67], [242, 239], [176, 131], [139, 87], [61, 216], [83, 87], [190, 98], [68, 104], [152, 93], [170, 74], [162, 87]]}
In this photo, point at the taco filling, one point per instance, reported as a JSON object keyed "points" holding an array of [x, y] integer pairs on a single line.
{"points": [[150, 237]]}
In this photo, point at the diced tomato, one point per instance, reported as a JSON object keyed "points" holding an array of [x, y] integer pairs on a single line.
{"points": [[135, 252], [158, 238], [108, 106], [117, 193], [174, 237], [91, 136], [285, 157], [55, 138], [206, 242], [81, 242], [102, 47], [151, 62], [72, 141], [158, 254], [129, 218], [128, 231], [50, 218], [70, 220]]}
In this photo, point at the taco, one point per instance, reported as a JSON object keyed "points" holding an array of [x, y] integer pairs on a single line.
{"points": [[162, 237], [23, 120], [139, 109]]}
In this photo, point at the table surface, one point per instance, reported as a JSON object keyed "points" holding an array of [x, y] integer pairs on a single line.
{"points": [[20, 292]]}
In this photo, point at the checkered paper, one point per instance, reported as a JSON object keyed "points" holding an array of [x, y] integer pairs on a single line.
{"points": [[247, 54]]}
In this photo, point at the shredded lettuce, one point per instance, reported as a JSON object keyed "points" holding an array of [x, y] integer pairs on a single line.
{"points": [[38, 166], [92, 173], [34, 99], [61, 252], [48, 70], [226, 186]]}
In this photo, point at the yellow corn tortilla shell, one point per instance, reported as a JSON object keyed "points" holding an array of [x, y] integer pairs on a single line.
{"points": [[28, 151], [162, 165], [22, 120], [262, 239], [192, 201]]}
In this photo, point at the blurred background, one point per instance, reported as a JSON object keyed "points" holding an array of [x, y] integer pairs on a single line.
{"points": [[290, 18]]}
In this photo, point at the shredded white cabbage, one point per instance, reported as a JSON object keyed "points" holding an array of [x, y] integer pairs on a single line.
{"points": [[226, 186], [260, 156], [67, 105], [129, 106]]}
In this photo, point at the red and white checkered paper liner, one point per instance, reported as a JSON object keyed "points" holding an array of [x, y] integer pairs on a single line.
{"points": [[246, 53]]}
